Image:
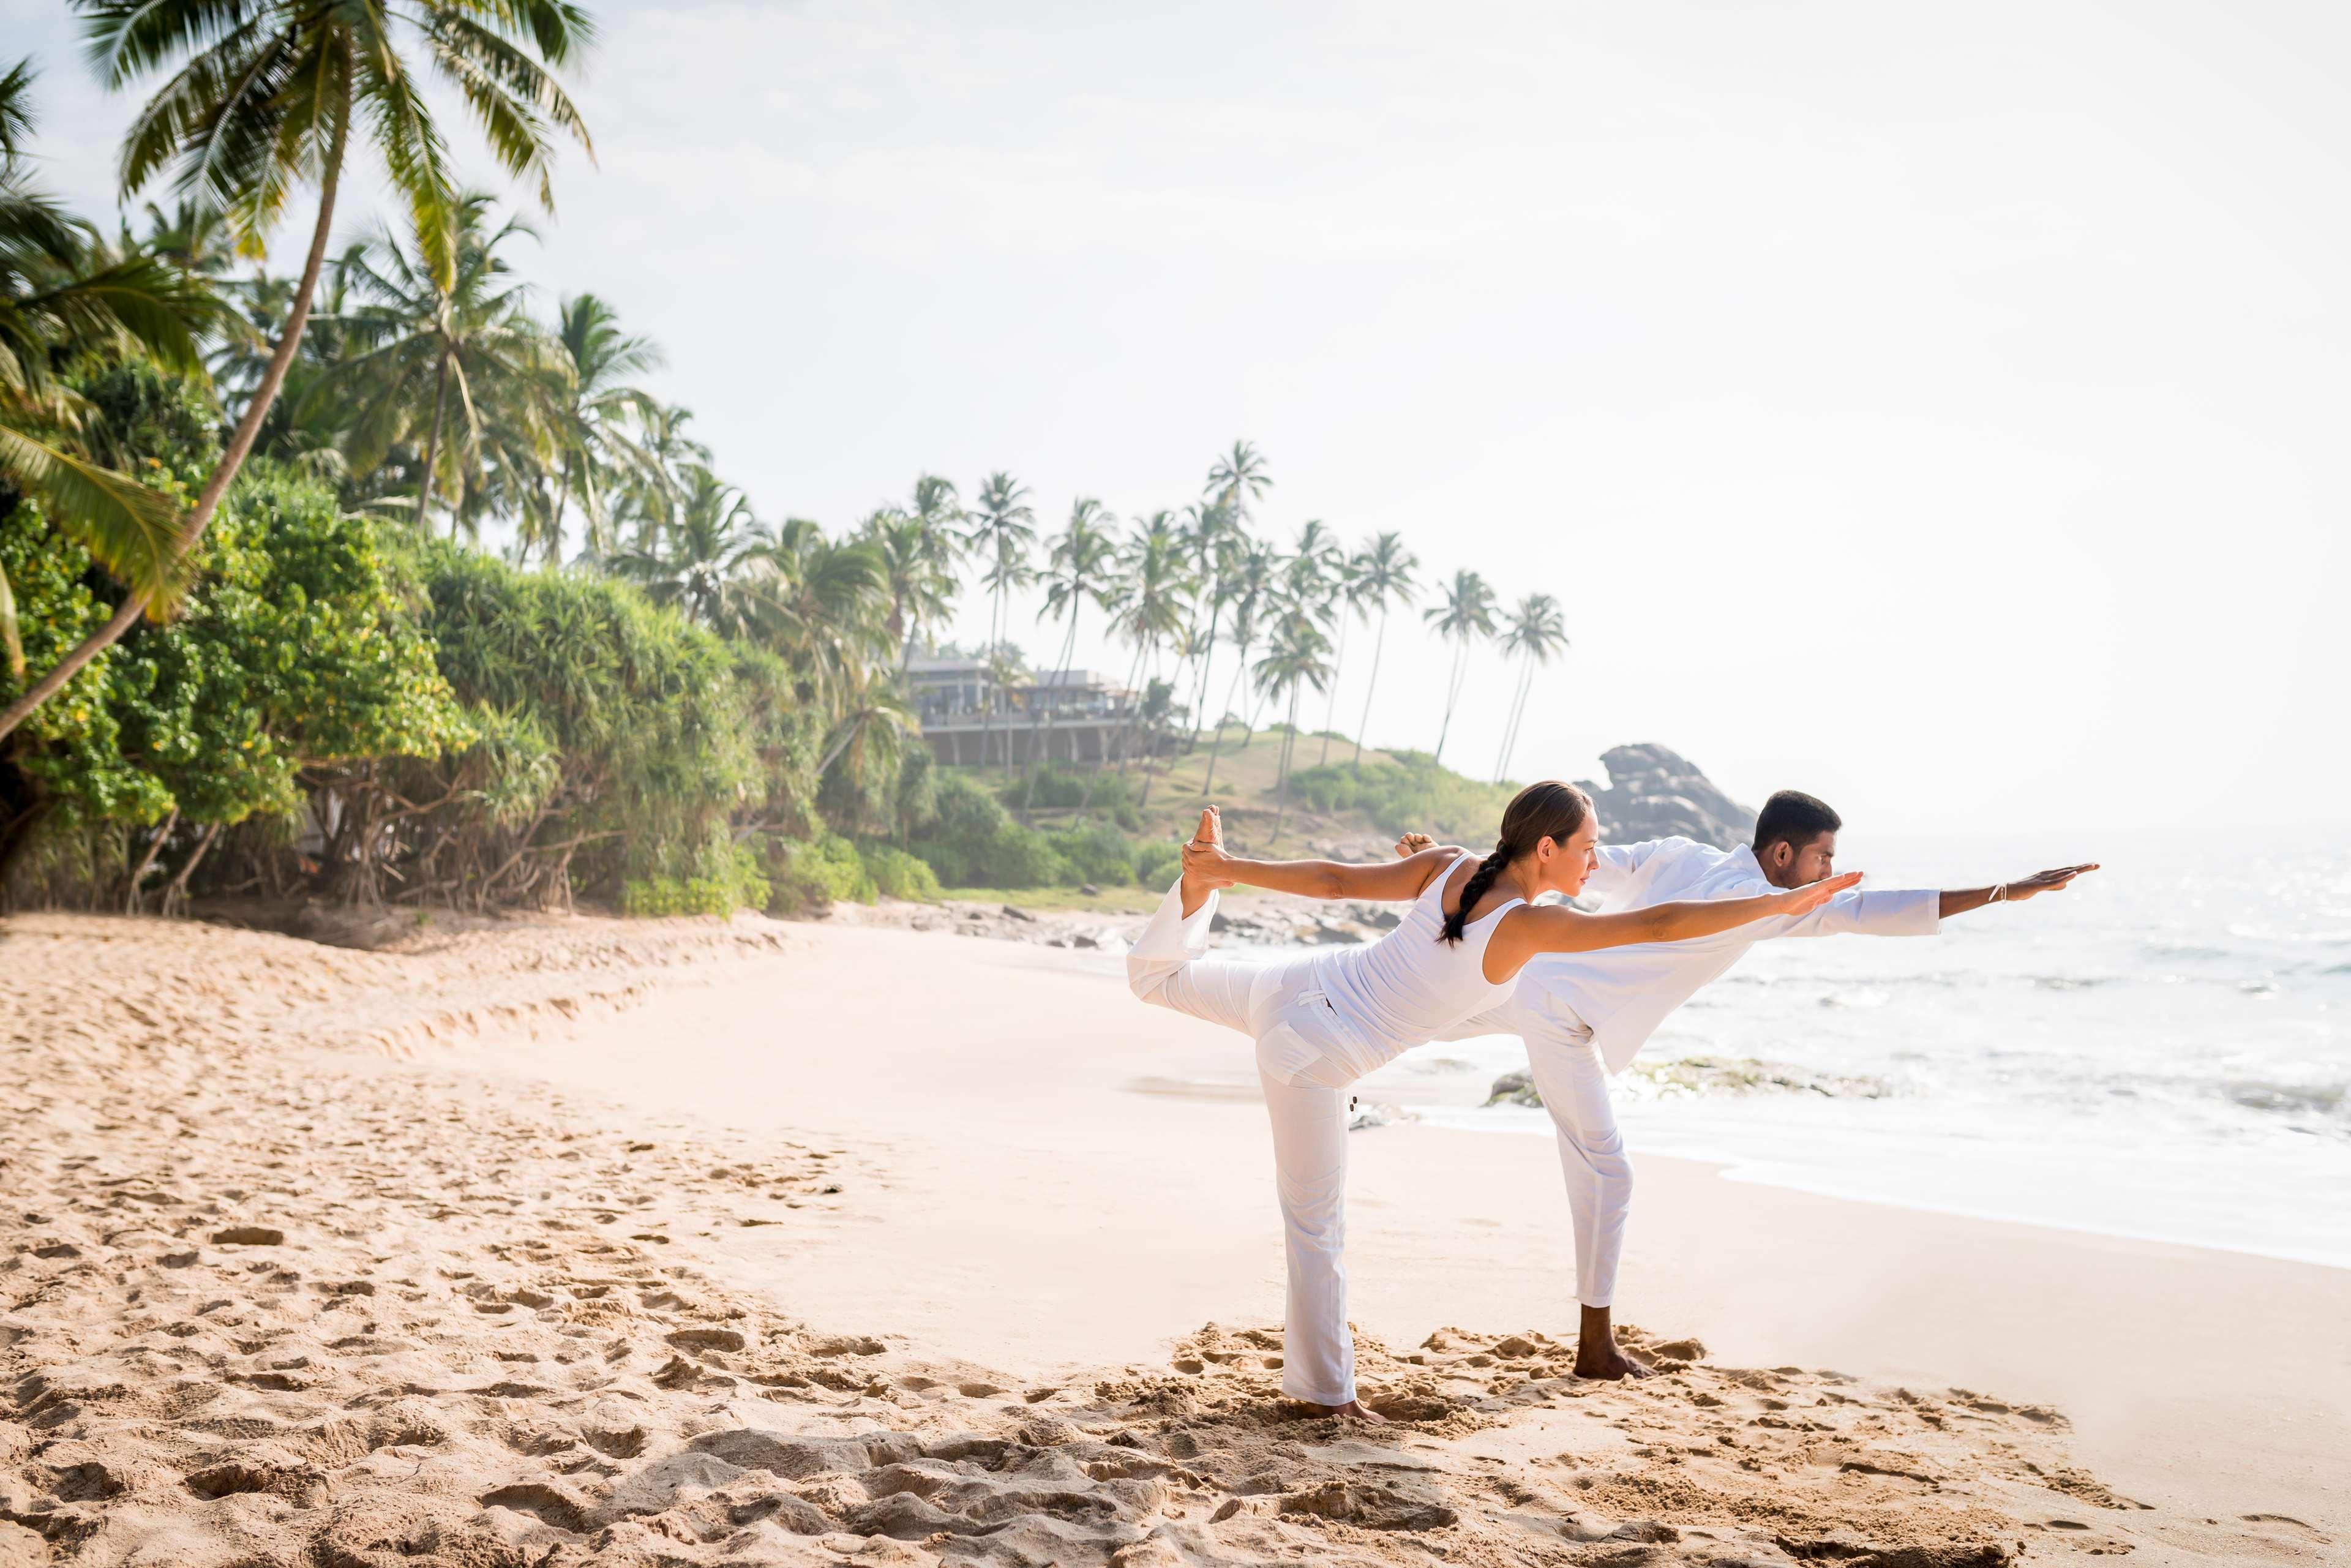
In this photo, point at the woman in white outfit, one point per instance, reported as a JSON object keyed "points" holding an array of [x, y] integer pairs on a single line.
{"points": [[1323, 1020]]}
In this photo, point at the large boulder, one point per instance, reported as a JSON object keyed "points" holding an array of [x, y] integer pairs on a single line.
{"points": [[1657, 793]]}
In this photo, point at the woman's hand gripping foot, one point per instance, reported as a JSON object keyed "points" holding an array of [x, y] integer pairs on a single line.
{"points": [[1204, 860]]}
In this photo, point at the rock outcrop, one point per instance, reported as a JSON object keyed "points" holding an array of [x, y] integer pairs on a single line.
{"points": [[1655, 793]]}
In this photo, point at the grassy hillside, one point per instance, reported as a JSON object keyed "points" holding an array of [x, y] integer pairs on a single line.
{"points": [[1328, 804]]}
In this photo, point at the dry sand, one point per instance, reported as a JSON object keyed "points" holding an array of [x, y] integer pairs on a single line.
{"points": [[689, 1242]]}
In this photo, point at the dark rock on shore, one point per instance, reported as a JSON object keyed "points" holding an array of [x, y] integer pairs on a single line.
{"points": [[1709, 1075], [1514, 1088], [1657, 793]]}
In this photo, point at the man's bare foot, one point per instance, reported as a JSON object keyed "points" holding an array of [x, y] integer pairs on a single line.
{"points": [[1356, 1407], [1597, 1354], [1609, 1363]]}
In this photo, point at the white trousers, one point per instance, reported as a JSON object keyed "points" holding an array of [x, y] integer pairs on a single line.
{"points": [[1303, 1054], [1573, 1083]]}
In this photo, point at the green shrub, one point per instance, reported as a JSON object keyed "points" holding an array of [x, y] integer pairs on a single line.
{"points": [[734, 883], [974, 843], [819, 874], [1096, 852], [1052, 786], [653, 896], [1157, 863], [1413, 793], [1019, 857], [898, 875], [962, 808]]}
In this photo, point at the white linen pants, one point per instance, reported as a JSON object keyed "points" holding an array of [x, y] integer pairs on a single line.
{"points": [[1306, 1057], [1573, 1083]]}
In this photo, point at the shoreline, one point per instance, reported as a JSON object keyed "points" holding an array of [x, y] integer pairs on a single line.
{"points": [[745, 1183], [1737, 1167]]}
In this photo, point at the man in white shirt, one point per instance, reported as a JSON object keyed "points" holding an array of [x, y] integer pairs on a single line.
{"points": [[1586, 1015]]}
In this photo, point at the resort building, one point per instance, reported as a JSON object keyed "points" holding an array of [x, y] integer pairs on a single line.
{"points": [[1065, 715]]}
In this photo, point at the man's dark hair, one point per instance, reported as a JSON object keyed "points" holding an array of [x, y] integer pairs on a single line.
{"points": [[1793, 818]]}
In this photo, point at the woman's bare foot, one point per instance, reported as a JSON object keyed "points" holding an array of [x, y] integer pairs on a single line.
{"points": [[1356, 1407], [1197, 882], [1597, 1354]]}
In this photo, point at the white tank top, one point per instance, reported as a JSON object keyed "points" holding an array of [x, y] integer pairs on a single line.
{"points": [[1406, 987]]}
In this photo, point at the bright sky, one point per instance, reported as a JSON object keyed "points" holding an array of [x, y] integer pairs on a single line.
{"points": [[1924, 406]]}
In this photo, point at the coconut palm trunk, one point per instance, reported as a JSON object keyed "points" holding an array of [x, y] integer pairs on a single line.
{"points": [[1200, 689], [240, 444], [1378, 643], [1452, 695], [1134, 708], [1150, 757], [1208, 781], [1042, 725], [1101, 765], [1517, 709], [1331, 708], [555, 523], [433, 444], [987, 707], [1282, 778]]}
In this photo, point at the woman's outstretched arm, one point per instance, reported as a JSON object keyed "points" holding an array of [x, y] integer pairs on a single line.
{"points": [[1398, 879], [1537, 929]]}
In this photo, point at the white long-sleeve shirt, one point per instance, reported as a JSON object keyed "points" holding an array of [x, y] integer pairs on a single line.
{"points": [[1620, 994]]}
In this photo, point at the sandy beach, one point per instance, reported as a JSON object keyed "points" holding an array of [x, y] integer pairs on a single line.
{"points": [[699, 1242]]}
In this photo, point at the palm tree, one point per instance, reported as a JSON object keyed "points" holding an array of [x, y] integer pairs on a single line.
{"points": [[263, 103], [1466, 614], [939, 518], [411, 330], [1383, 580], [1535, 631], [868, 736], [1235, 479], [194, 236], [648, 489], [600, 358], [1297, 659], [940, 512], [919, 583], [1302, 587], [822, 603], [509, 464], [64, 302], [1153, 599], [1250, 583], [1210, 536], [1080, 569], [1324, 573], [698, 564], [1319, 553], [1003, 531]]}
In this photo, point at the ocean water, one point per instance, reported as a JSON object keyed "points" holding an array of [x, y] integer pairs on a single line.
{"points": [[2163, 1050]]}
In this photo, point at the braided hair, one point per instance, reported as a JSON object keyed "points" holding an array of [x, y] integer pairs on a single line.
{"points": [[1551, 811]]}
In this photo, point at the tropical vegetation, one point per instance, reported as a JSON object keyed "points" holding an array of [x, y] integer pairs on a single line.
{"points": [[378, 585]]}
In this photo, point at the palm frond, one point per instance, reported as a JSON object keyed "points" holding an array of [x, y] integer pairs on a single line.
{"points": [[128, 528]]}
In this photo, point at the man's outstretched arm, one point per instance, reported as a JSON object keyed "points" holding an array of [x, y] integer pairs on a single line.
{"points": [[1959, 901], [1916, 912]]}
